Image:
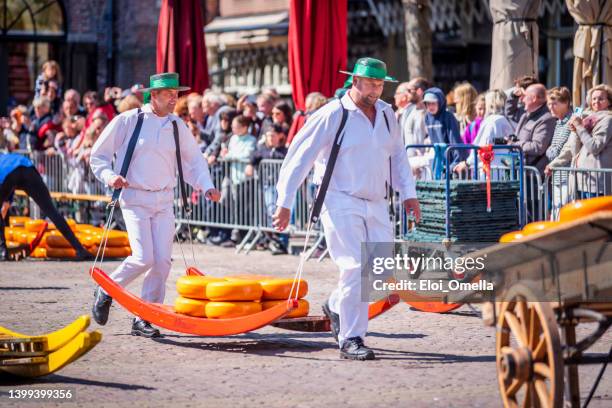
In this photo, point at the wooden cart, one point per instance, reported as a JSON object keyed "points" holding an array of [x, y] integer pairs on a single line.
{"points": [[556, 280]]}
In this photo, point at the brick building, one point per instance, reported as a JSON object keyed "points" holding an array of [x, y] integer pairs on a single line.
{"points": [[96, 42]]}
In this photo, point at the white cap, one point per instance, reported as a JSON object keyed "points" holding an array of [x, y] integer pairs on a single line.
{"points": [[429, 97]]}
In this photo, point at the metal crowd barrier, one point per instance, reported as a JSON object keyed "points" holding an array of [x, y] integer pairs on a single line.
{"points": [[566, 184], [247, 202]]}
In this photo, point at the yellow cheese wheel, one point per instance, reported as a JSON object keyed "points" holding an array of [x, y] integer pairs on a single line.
{"points": [[535, 227], [8, 234], [16, 221], [30, 237], [112, 252], [191, 307], [234, 290], [89, 229], [71, 223], [302, 310], [89, 240], [194, 287], [582, 208], [56, 240], [61, 252], [23, 236], [279, 289], [225, 310], [511, 236], [248, 277], [39, 253], [12, 244], [34, 225], [115, 238]]}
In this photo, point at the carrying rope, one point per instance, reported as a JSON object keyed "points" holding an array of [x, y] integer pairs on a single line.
{"points": [[315, 211], [486, 155]]}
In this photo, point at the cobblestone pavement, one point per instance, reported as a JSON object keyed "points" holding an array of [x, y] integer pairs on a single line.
{"points": [[424, 360]]}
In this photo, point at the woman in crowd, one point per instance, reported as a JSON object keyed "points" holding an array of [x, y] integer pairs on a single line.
{"points": [[594, 134], [494, 126], [559, 106], [50, 72], [471, 130], [464, 96]]}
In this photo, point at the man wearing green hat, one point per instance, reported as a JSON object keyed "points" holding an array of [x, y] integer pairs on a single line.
{"points": [[143, 144], [370, 157]]}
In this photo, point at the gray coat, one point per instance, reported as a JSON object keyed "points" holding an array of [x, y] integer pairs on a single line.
{"points": [[596, 153], [534, 132]]}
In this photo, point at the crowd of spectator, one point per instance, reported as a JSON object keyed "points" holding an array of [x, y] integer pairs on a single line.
{"points": [[246, 129]]}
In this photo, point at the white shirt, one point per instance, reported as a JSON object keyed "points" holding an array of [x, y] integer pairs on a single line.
{"points": [[153, 166], [362, 166], [492, 127]]}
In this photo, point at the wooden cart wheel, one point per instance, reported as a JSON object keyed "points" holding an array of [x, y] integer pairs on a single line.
{"points": [[528, 349]]}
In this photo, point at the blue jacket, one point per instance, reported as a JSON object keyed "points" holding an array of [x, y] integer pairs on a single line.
{"points": [[10, 161], [444, 128]]}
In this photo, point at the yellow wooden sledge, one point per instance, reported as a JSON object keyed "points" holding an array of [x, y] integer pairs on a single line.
{"points": [[35, 356]]}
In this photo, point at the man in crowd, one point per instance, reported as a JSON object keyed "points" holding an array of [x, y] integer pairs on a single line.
{"points": [[535, 128]]}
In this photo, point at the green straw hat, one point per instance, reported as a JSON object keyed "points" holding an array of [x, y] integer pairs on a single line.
{"points": [[166, 80], [370, 68]]}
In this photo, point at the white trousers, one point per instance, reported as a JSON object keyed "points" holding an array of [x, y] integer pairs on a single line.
{"points": [[149, 218], [347, 222]]}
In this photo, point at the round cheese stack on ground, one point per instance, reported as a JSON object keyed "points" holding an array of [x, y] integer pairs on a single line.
{"points": [[238, 290], [39, 252], [302, 310], [194, 287], [191, 307], [34, 225], [16, 221], [226, 310], [61, 252], [111, 252]]}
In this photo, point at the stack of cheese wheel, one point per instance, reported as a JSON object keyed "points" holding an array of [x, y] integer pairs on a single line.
{"points": [[235, 296], [15, 234], [117, 243], [277, 290]]}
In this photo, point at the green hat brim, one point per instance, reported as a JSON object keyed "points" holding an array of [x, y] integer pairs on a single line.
{"points": [[386, 78], [178, 88]]}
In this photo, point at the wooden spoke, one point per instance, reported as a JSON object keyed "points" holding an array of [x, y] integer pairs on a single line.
{"points": [[529, 391], [514, 387], [534, 328], [540, 350], [542, 392], [515, 327], [534, 355], [542, 369], [522, 313]]}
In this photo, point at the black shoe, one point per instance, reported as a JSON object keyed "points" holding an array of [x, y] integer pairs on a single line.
{"points": [[101, 306], [217, 240], [353, 349], [277, 249], [143, 328], [334, 320]]}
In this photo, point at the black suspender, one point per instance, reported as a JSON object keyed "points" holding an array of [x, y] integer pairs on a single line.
{"points": [[318, 204], [129, 153], [179, 164]]}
